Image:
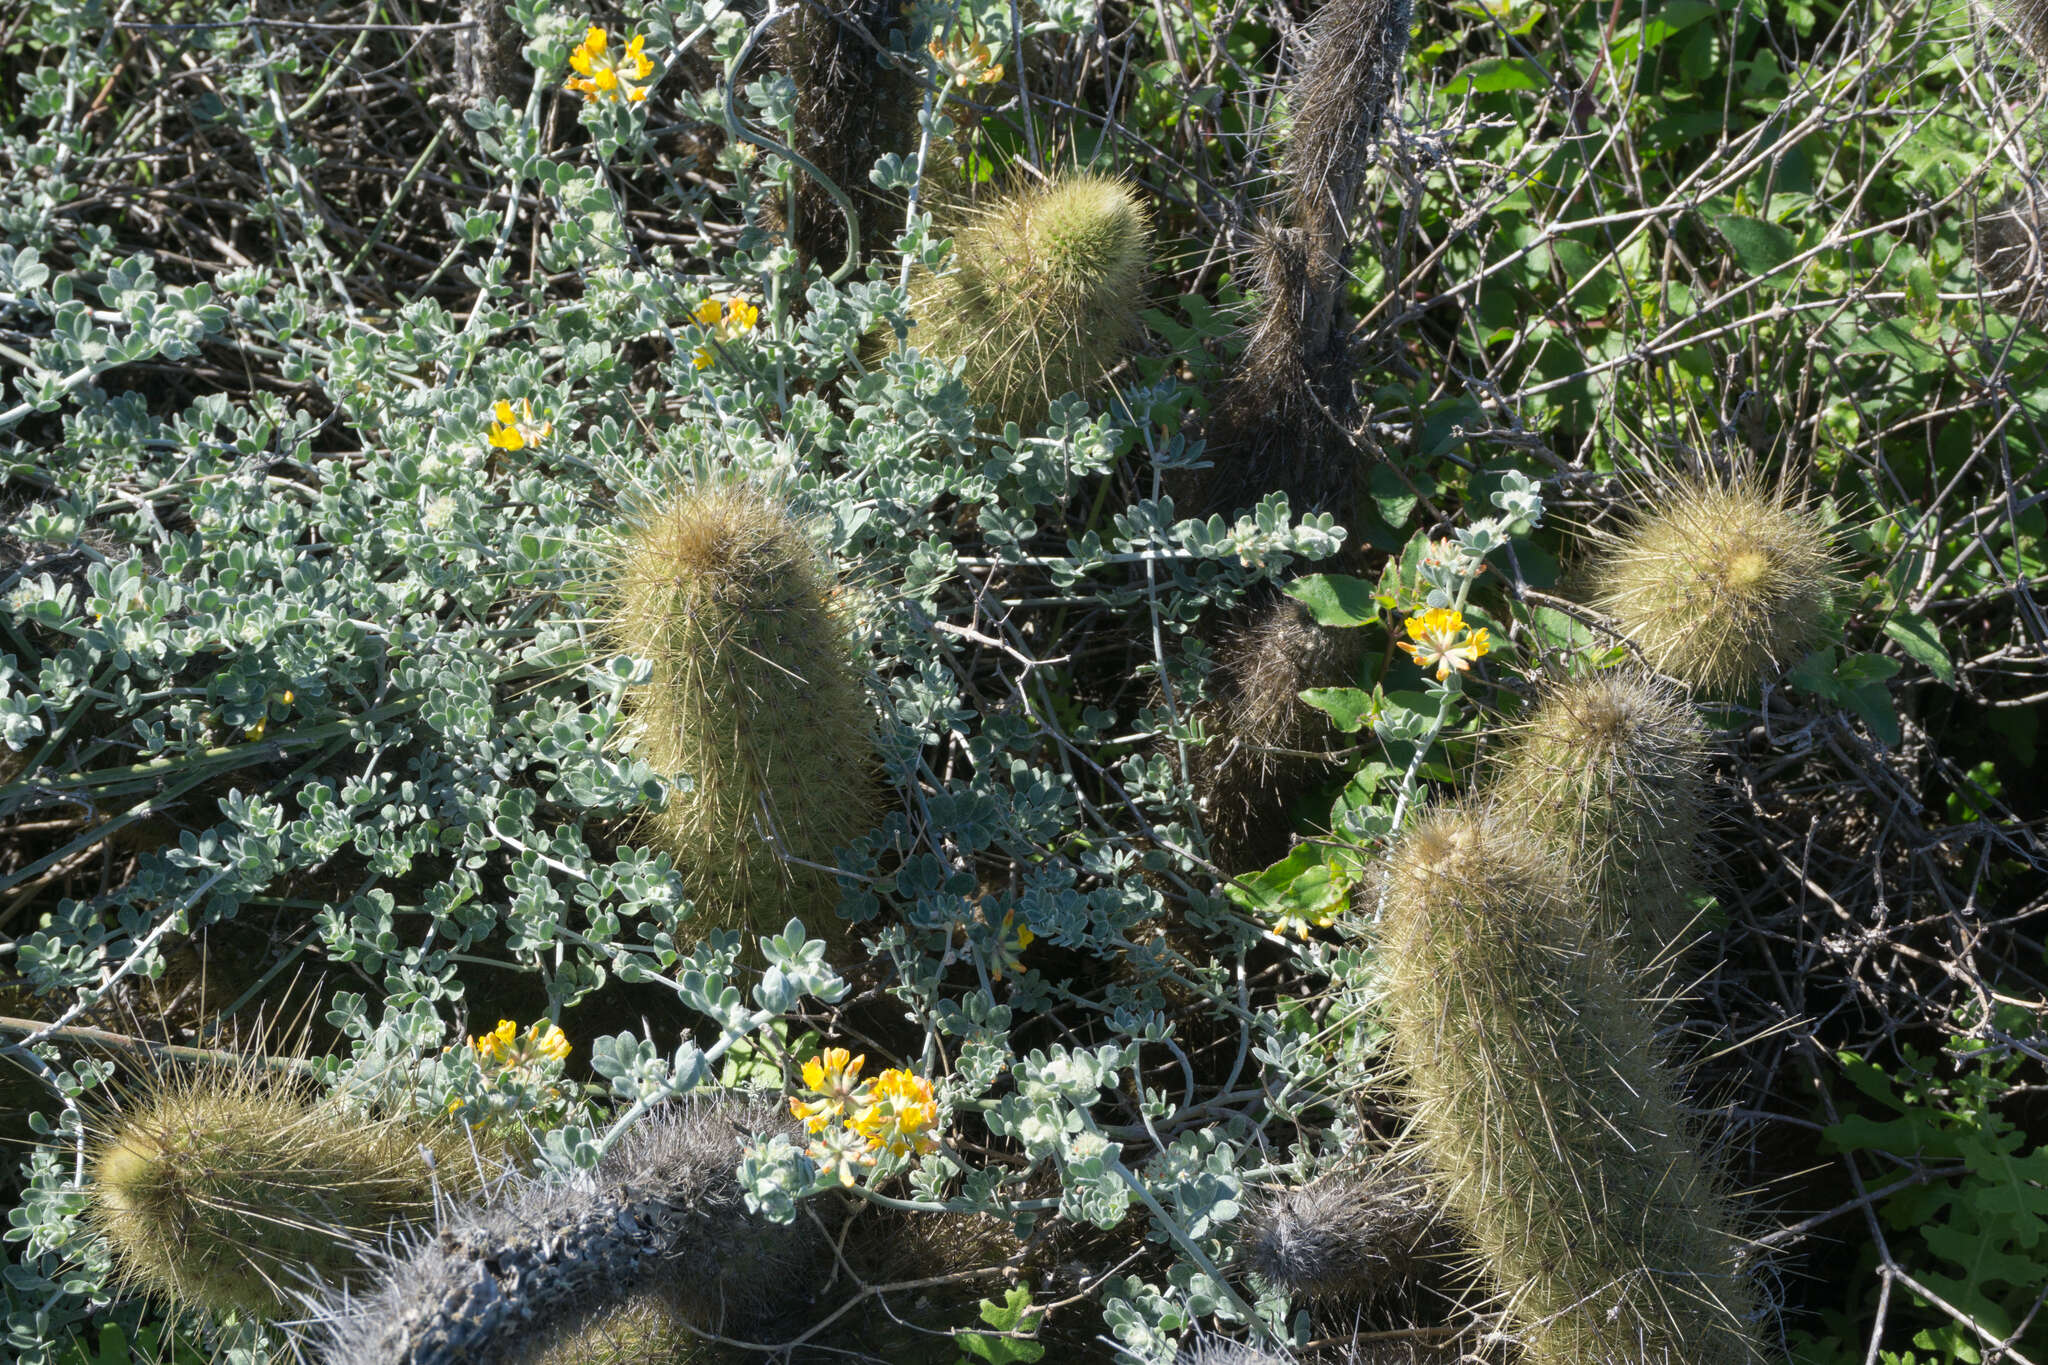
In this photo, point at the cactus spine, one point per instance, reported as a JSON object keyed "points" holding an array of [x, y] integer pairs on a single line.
{"points": [[2010, 247], [643, 1331], [1609, 772], [1540, 1106], [1351, 1236], [1260, 728], [1044, 293], [1720, 581], [755, 700], [662, 1218], [852, 106], [1220, 1352], [231, 1192], [1275, 426]]}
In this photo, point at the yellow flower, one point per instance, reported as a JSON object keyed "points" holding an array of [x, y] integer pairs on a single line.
{"points": [[724, 320], [496, 1046], [1440, 637], [602, 74], [966, 61], [899, 1114], [548, 1041], [1012, 939], [833, 1076], [503, 1047], [516, 430]]}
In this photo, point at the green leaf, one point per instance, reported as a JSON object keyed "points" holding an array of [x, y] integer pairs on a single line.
{"points": [[1893, 338], [1859, 670], [1492, 75], [1860, 689], [1013, 1314], [1816, 674], [1307, 887], [1922, 641], [1655, 31], [1407, 715], [1400, 587], [1349, 708], [1335, 599], [1759, 247], [1392, 495]]}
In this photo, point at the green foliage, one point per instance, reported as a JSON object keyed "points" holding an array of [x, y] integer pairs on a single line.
{"points": [[301, 679], [1013, 1315], [1976, 1236]]}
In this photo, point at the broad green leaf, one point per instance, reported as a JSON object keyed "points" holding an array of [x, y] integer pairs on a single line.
{"points": [[1350, 709], [1653, 32], [1309, 887], [1392, 495], [1922, 641], [1859, 670], [1759, 247], [1491, 75], [1335, 599], [1893, 338]]}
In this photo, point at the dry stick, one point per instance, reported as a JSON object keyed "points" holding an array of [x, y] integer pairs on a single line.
{"points": [[82, 1036]]}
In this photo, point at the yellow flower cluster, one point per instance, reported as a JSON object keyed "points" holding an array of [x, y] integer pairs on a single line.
{"points": [[516, 429], [724, 319], [853, 1121], [1440, 637], [504, 1047], [607, 75], [968, 62]]}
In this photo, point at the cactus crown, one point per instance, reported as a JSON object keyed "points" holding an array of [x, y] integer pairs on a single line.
{"points": [[1044, 294], [1609, 771], [227, 1190], [1720, 581], [644, 1331], [1543, 1112], [1350, 1236], [2010, 247], [755, 699]]}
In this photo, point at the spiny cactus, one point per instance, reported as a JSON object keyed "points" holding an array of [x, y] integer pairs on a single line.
{"points": [[662, 1216], [1350, 1236], [1044, 293], [2010, 246], [852, 106], [234, 1191], [643, 1331], [1216, 1351], [2025, 20], [1261, 732], [1276, 424], [1720, 580], [1543, 1112], [1609, 771], [755, 701]]}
